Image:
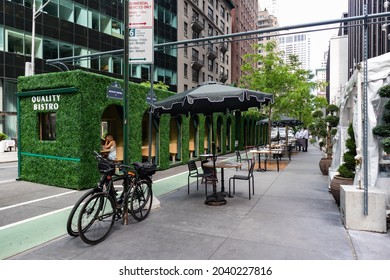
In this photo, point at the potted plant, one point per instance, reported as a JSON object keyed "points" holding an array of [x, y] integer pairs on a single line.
{"points": [[346, 171], [383, 130], [323, 129]]}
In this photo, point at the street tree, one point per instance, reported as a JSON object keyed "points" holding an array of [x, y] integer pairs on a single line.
{"points": [[291, 85]]}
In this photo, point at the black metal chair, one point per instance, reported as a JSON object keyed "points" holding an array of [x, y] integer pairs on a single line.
{"points": [[240, 159], [249, 177], [194, 173]]}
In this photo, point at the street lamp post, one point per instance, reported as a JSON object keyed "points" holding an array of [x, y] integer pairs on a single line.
{"points": [[35, 14]]}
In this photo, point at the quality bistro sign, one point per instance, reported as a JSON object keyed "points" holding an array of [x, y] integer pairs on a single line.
{"points": [[45, 102]]}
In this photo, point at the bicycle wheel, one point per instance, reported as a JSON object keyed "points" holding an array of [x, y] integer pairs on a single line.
{"points": [[141, 199], [71, 224], [96, 218]]}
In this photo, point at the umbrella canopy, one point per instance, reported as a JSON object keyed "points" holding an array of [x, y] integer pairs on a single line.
{"points": [[208, 99], [211, 98], [283, 121]]}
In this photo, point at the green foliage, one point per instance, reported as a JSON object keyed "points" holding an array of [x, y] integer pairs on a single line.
{"points": [[3, 136], [290, 85], [384, 91], [382, 130], [386, 145], [347, 169], [323, 128], [158, 85], [386, 117]]}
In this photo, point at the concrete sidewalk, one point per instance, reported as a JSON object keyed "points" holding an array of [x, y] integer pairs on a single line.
{"points": [[292, 216]]}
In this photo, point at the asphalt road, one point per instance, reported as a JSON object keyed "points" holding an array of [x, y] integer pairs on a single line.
{"points": [[8, 171]]}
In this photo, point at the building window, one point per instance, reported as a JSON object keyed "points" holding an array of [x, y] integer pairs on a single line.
{"points": [[47, 126], [195, 75], [185, 70], [210, 65], [185, 50], [185, 29], [185, 8]]}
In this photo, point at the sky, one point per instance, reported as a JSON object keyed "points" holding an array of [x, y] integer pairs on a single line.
{"points": [[292, 12]]}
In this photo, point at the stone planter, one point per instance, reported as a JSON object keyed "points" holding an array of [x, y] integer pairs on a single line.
{"points": [[324, 164], [335, 184]]}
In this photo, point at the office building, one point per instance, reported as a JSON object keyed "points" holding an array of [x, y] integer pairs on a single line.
{"points": [[204, 61], [65, 28], [296, 44], [378, 34], [244, 19]]}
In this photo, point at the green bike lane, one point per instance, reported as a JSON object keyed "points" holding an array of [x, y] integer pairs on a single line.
{"points": [[27, 234]]}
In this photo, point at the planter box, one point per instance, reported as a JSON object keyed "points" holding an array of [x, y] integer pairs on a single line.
{"points": [[352, 209]]}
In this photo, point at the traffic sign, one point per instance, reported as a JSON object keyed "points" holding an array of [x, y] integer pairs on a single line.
{"points": [[141, 13], [141, 46], [151, 97]]}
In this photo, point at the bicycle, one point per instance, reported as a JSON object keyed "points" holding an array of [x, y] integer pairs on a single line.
{"points": [[108, 177], [102, 209], [106, 169]]}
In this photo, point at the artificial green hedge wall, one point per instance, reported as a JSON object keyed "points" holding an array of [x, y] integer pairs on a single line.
{"points": [[68, 161]]}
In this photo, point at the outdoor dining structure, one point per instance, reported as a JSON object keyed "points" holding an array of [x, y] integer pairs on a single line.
{"points": [[208, 99], [281, 121]]}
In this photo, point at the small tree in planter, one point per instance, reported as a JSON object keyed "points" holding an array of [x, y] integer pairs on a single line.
{"points": [[384, 129], [323, 129], [347, 168]]}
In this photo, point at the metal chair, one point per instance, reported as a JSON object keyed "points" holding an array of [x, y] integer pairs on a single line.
{"points": [[249, 177], [240, 159], [194, 173]]}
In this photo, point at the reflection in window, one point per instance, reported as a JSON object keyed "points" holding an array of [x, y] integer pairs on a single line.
{"points": [[15, 42], [50, 49], [47, 126], [66, 10]]}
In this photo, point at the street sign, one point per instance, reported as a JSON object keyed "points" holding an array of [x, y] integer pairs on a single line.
{"points": [[151, 97], [141, 13], [141, 46], [115, 91]]}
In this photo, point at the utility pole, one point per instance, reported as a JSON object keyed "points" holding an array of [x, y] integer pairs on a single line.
{"points": [[30, 67]]}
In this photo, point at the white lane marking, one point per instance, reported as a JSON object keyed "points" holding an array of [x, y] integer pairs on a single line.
{"points": [[34, 218], [35, 200]]}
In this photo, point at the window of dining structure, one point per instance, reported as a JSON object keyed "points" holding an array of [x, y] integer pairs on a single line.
{"points": [[47, 126]]}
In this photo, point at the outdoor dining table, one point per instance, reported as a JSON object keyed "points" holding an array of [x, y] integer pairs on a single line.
{"points": [[269, 152], [222, 165]]}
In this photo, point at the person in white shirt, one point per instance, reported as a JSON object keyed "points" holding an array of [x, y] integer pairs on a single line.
{"points": [[305, 137], [298, 137]]}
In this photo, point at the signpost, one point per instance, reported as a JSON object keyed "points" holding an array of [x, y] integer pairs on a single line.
{"points": [[141, 21], [141, 49]]}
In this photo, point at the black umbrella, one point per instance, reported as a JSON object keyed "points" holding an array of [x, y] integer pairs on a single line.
{"points": [[208, 99], [282, 121], [211, 98]]}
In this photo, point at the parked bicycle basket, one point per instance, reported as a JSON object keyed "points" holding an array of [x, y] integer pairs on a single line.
{"points": [[106, 167], [145, 169]]}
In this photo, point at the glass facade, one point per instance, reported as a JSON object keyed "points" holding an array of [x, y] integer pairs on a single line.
{"points": [[66, 29]]}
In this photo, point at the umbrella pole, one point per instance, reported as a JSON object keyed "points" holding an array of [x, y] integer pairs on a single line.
{"points": [[215, 199]]}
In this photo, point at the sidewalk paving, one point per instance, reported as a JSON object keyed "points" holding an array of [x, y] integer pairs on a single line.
{"points": [[292, 216]]}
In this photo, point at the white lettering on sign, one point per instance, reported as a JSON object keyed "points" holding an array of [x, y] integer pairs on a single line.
{"points": [[141, 13], [45, 102]]}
